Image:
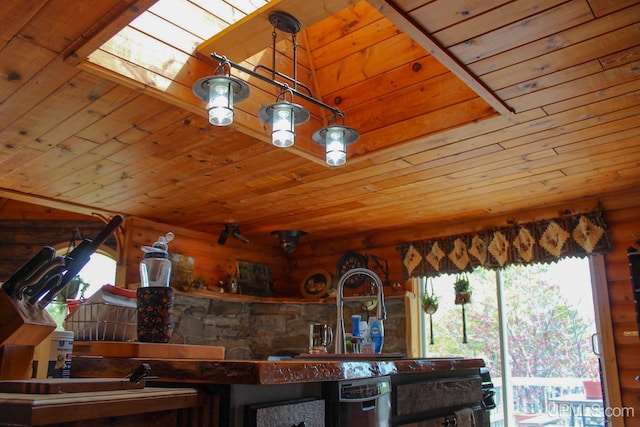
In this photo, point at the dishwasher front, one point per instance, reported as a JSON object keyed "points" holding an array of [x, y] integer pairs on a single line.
{"points": [[358, 403]]}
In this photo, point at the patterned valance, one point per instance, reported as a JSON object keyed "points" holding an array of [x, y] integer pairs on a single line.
{"points": [[537, 242]]}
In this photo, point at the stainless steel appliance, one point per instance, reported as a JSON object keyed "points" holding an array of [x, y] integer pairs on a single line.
{"points": [[358, 403]]}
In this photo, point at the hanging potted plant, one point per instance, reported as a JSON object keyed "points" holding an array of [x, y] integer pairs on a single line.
{"points": [[430, 306], [462, 289], [430, 303]]}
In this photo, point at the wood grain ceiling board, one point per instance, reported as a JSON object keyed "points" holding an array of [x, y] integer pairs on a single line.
{"points": [[136, 141]]}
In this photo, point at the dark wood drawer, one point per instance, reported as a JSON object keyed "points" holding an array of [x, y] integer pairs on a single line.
{"points": [[437, 394]]}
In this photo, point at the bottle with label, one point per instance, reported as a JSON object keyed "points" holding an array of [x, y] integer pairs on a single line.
{"points": [[376, 333], [155, 268]]}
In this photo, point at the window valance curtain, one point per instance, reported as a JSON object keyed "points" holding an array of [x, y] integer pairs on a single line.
{"points": [[537, 242]]}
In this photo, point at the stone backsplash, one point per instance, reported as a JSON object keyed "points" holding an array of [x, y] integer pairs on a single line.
{"points": [[256, 330]]}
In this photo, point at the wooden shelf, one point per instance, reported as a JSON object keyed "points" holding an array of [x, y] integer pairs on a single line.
{"points": [[271, 300]]}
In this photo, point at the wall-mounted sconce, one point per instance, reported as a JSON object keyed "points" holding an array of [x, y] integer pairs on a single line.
{"points": [[233, 229], [288, 239], [221, 91]]}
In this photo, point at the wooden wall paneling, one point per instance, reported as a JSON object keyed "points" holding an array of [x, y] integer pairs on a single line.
{"points": [[434, 17], [369, 62], [358, 16], [24, 60], [580, 86], [134, 110], [55, 25], [604, 7], [575, 53], [521, 31], [412, 73], [101, 106], [440, 92], [65, 101], [549, 80], [519, 14], [569, 37], [18, 14], [623, 218], [356, 43], [47, 168], [619, 58], [21, 239], [430, 123], [212, 262]]}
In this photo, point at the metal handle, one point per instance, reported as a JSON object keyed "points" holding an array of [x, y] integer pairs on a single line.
{"points": [[595, 344]]}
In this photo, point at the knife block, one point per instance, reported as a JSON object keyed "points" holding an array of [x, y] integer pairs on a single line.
{"points": [[23, 328]]}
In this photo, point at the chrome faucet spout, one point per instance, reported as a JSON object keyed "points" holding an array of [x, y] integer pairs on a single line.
{"points": [[381, 311]]}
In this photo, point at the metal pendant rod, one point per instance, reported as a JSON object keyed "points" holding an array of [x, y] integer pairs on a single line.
{"points": [[283, 76], [281, 86]]}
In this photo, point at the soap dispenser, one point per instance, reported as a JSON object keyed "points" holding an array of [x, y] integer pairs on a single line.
{"points": [[376, 333]]}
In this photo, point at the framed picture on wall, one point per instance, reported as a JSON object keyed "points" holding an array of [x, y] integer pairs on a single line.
{"points": [[255, 279]]}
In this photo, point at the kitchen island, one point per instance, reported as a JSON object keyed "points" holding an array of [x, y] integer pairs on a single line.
{"points": [[234, 391]]}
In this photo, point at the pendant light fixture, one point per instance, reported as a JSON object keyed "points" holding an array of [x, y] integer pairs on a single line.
{"points": [[335, 138], [288, 239], [221, 91]]}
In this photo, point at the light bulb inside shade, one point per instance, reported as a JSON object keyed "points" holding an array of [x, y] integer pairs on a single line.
{"points": [[220, 103], [336, 148], [282, 134]]}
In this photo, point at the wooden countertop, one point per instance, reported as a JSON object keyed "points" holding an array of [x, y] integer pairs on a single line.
{"points": [[263, 372]]}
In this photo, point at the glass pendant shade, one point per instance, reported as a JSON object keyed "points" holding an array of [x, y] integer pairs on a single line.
{"points": [[221, 92], [220, 103], [336, 148], [335, 139], [283, 117], [282, 133]]}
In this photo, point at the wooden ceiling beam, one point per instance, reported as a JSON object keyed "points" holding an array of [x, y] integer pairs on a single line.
{"points": [[104, 29], [420, 35]]}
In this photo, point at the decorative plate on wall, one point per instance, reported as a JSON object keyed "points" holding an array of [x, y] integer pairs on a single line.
{"points": [[349, 261], [316, 284]]}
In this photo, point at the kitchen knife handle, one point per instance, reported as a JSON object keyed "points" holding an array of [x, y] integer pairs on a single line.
{"points": [[12, 284], [79, 257], [48, 276], [81, 253], [106, 232]]}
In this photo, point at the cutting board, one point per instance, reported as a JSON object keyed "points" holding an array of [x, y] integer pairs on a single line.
{"points": [[67, 385], [147, 350]]}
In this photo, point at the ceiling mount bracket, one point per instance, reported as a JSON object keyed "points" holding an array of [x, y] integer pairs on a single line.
{"points": [[284, 22]]}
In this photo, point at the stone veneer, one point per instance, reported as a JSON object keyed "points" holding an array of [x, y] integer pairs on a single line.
{"points": [[255, 330]]}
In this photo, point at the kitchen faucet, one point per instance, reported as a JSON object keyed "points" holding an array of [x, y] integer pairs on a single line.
{"points": [[381, 313]]}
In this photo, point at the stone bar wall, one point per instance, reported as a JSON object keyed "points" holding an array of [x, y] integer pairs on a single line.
{"points": [[256, 330]]}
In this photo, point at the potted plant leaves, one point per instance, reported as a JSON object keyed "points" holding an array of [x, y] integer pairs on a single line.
{"points": [[462, 289], [430, 303]]}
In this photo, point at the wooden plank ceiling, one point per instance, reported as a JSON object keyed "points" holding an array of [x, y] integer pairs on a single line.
{"points": [[465, 109]]}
